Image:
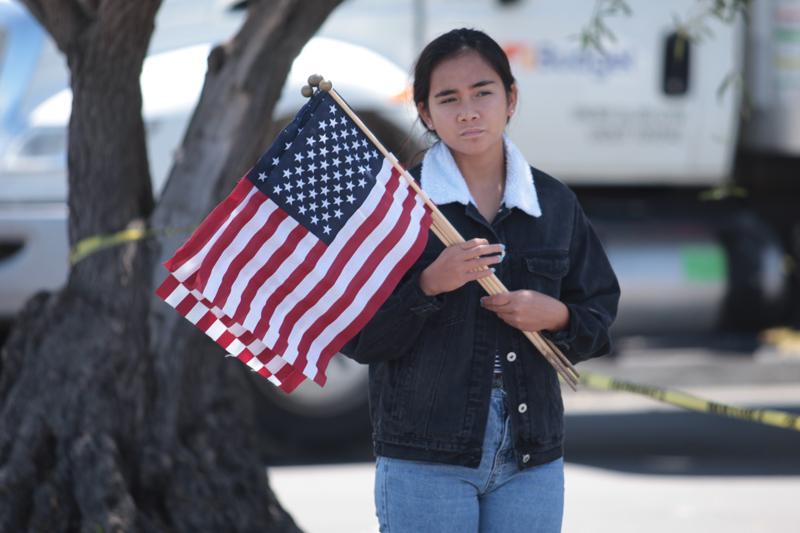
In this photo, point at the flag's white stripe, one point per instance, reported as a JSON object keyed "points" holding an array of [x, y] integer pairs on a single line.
{"points": [[261, 257], [216, 330], [255, 364], [256, 347], [369, 288], [236, 246], [236, 347], [323, 265], [197, 312], [177, 295], [237, 329], [275, 364], [385, 172], [274, 282], [216, 310], [192, 264], [354, 264]]}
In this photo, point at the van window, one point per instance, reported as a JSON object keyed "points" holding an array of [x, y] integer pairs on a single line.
{"points": [[677, 54]]}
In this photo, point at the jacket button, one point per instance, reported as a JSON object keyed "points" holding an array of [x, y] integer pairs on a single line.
{"points": [[526, 458], [511, 357], [522, 407]]}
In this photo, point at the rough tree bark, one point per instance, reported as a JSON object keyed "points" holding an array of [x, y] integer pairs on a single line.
{"points": [[105, 423]]}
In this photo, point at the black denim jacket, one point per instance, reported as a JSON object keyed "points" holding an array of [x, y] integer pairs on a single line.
{"points": [[431, 358]]}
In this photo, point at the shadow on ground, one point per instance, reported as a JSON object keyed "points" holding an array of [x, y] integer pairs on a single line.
{"points": [[682, 444], [659, 443]]}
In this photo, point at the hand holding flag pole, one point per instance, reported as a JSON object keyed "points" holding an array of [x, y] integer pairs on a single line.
{"points": [[445, 231]]}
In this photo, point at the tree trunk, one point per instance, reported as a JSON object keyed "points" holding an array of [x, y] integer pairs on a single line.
{"points": [[113, 417]]}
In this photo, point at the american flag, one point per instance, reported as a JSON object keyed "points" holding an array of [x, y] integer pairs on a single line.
{"points": [[310, 243]]}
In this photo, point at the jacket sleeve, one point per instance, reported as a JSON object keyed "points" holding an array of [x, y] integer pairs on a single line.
{"points": [[591, 293], [393, 330]]}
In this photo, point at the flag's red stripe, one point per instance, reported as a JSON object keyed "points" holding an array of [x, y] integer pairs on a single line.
{"points": [[186, 304], [369, 266], [289, 284], [167, 286], [292, 382], [209, 226], [269, 268], [266, 356], [245, 356], [374, 303], [335, 270], [224, 240], [285, 373], [206, 321], [247, 253], [226, 339]]}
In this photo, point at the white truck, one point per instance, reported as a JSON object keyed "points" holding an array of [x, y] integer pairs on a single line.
{"points": [[696, 203]]}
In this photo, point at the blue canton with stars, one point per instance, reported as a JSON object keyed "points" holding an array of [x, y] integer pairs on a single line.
{"points": [[320, 168]]}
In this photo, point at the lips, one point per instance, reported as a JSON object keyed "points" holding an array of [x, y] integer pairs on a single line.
{"points": [[471, 132]]}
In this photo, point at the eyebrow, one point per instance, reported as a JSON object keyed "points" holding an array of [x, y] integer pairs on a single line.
{"points": [[447, 92]]}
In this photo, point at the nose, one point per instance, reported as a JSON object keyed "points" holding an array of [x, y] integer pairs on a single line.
{"points": [[467, 114]]}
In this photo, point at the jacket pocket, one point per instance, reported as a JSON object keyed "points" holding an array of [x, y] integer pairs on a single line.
{"points": [[543, 271]]}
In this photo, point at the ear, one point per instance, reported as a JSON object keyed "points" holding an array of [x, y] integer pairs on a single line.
{"points": [[425, 115], [512, 100]]}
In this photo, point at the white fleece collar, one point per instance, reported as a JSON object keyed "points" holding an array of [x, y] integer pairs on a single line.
{"points": [[444, 183]]}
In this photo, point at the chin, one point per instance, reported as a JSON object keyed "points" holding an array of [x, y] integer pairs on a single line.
{"points": [[475, 146]]}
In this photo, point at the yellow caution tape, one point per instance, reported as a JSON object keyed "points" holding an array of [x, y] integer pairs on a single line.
{"points": [[90, 245], [769, 417]]}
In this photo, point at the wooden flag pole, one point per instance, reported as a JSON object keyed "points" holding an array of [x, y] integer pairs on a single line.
{"points": [[445, 231]]}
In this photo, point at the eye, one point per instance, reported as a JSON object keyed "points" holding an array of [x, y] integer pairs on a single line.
{"points": [[447, 100], [483, 93]]}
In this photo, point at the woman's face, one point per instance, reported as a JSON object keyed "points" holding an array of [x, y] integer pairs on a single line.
{"points": [[467, 104]]}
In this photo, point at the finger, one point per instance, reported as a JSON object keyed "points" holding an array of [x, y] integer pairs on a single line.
{"points": [[472, 243], [478, 274], [485, 249], [497, 300], [481, 262]]}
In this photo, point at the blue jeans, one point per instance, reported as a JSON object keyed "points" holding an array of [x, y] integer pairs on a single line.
{"points": [[417, 497]]}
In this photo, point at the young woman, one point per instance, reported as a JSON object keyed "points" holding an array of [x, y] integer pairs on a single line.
{"points": [[467, 415]]}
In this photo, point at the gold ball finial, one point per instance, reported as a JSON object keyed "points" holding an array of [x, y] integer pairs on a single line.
{"points": [[314, 80], [307, 91], [325, 85]]}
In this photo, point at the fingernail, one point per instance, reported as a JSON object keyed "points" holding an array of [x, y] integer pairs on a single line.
{"points": [[504, 246], [492, 269], [502, 255]]}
